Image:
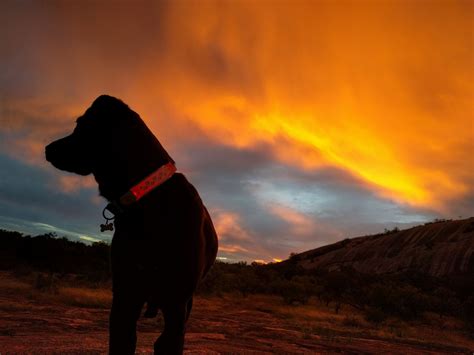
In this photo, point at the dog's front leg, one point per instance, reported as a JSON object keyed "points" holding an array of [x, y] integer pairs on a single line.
{"points": [[171, 340], [126, 309]]}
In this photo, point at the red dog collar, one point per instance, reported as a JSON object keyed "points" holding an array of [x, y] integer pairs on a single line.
{"points": [[149, 183]]}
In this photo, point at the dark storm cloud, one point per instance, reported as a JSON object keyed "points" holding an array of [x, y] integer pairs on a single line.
{"points": [[245, 190], [282, 208], [30, 200]]}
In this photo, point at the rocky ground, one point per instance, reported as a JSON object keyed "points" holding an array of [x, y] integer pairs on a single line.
{"points": [[40, 324]]}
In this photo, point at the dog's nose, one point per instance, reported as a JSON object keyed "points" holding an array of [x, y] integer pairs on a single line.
{"points": [[47, 152]]}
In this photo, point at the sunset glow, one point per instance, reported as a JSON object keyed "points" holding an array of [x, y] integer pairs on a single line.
{"points": [[380, 92], [372, 89]]}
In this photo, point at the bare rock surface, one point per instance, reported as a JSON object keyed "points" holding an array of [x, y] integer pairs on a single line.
{"points": [[438, 249], [224, 325]]}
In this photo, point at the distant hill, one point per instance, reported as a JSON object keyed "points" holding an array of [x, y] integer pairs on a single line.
{"points": [[439, 249]]}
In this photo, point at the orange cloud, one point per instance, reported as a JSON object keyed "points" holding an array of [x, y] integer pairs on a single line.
{"points": [[301, 225], [73, 183], [232, 248], [29, 124], [382, 90], [229, 224]]}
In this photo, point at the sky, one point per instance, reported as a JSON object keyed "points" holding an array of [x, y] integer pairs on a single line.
{"points": [[300, 123]]}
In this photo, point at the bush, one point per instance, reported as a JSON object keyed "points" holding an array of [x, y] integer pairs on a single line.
{"points": [[402, 301], [293, 292], [405, 296]]}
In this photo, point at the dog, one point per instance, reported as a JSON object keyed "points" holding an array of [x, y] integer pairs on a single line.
{"points": [[164, 243]]}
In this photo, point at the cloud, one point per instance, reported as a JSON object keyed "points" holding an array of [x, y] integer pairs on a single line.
{"points": [[343, 88], [90, 239], [35, 228], [229, 224], [30, 202], [72, 183], [271, 209], [28, 125], [299, 222], [299, 123], [263, 212]]}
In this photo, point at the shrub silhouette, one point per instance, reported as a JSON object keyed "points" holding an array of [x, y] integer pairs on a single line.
{"points": [[405, 296], [51, 254]]}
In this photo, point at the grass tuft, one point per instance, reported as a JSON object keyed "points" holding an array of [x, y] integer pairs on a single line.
{"points": [[84, 297]]}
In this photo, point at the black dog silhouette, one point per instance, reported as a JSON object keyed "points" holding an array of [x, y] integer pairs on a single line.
{"points": [[163, 244]]}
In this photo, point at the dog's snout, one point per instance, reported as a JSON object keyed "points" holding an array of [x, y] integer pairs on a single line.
{"points": [[48, 152], [65, 154], [53, 152]]}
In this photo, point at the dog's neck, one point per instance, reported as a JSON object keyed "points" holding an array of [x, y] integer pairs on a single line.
{"points": [[139, 157]]}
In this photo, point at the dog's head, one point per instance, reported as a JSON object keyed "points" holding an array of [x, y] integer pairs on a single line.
{"points": [[110, 141]]}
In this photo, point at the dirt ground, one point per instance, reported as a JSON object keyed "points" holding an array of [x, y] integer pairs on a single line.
{"points": [[37, 324]]}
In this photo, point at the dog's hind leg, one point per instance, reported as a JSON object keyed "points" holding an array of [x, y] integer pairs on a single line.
{"points": [[171, 340]]}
